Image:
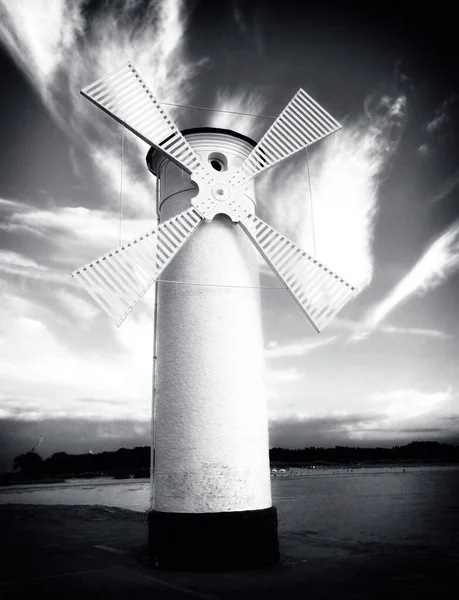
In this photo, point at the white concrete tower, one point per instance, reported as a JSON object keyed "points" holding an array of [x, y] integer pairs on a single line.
{"points": [[212, 497], [212, 489]]}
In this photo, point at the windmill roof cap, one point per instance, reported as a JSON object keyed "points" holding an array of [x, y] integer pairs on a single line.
{"points": [[235, 134], [152, 151]]}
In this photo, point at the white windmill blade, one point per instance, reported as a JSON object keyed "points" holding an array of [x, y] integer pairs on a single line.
{"points": [[125, 97], [319, 292], [119, 279], [302, 122]]}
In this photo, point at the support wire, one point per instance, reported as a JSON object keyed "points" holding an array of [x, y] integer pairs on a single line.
{"points": [[153, 404], [311, 205], [231, 112], [221, 285], [121, 178]]}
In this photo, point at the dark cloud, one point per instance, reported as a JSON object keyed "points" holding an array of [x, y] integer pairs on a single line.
{"points": [[342, 430], [435, 430], [69, 435], [320, 431], [83, 435]]}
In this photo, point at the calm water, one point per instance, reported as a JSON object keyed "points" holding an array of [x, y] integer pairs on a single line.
{"points": [[383, 506]]}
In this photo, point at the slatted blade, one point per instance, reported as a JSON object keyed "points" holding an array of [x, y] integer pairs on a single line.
{"points": [[119, 279], [302, 122], [125, 97], [319, 292]]}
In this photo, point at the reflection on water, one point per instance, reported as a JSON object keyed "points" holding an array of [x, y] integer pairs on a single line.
{"points": [[416, 507], [132, 494]]}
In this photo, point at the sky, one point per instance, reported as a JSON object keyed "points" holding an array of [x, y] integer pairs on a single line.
{"points": [[383, 212]]}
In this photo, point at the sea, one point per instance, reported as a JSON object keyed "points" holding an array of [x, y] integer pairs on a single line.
{"points": [[411, 506]]}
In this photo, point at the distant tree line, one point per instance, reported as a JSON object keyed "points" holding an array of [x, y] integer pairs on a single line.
{"points": [[136, 461], [425, 452]]}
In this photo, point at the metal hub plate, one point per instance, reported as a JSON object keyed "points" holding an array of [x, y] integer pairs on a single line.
{"points": [[220, 198], [221, 192]]}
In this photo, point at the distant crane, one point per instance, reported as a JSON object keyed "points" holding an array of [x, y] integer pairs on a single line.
{"points": [[34, 449]]}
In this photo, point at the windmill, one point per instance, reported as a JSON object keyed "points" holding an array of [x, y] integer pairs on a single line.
{"points": [[212, 492]]}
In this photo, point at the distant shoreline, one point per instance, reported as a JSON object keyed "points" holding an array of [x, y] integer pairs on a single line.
{"points": [[290, 471], [135, 462]]}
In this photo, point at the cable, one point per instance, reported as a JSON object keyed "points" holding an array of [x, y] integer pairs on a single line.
{"points": [[231, 112], [312, 208], [250, 287], [153, 405], [121, 177]]}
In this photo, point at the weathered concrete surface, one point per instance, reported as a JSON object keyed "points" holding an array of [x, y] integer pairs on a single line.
{"points": [[97, 552]]}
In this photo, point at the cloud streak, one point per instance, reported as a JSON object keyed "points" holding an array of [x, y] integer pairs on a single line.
{"points": [[438, 263], [356, 328], [416, 331], [448, 186], [299, 348], [83, 233], [442, 116]]}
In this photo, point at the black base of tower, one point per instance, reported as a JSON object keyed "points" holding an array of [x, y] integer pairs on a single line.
{"points": [[213, 541]]}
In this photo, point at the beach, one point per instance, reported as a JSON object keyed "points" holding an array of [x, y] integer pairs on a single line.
{"points": [[361, 534], [401, 506]]}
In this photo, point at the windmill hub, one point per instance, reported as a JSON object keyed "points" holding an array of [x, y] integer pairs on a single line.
{"points": [[221, 192], [220, 198]]}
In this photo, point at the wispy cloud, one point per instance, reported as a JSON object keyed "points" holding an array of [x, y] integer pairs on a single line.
{"points": [[9, 205], [7, 257], [437, 122], [449, 185], [232, 104], [299, 348], [416, 331], [439, 127], [249, 24], [40, 36], [289, 374], [22, 276], [239, 20], [356, 328], [438, 263], [63, 45], [77, 233], [441, 116], [21, 271], [408, 403], [346, 172], [423, 150], [439, 146]]}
